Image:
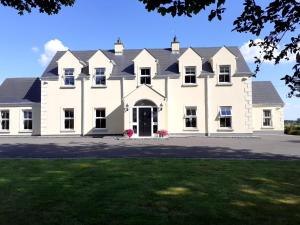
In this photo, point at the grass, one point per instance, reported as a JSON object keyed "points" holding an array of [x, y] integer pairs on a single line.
{"points": [[124, 191]]}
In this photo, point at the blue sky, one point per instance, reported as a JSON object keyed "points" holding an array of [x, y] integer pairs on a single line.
{"points": [[91, 24]]}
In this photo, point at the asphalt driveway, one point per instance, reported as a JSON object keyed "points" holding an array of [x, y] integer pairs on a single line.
{"points": [[278, 147]]}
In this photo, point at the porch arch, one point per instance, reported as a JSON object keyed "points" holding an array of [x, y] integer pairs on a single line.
{"points": [[145, 102]]}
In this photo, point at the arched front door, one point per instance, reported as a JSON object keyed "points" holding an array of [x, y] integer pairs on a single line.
{"points": [[145, 118]]}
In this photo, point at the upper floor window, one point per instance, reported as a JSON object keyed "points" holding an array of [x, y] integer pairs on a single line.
{"points": [[224, 74], [191, 117], [267, 118], [69, 77], [4, 119], [190, 75], [100, 119], [27, 119], [69, 119], [225, 117], [145, 76], [100, 76]]}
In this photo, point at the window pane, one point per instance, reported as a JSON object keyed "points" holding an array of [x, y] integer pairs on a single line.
{"points": [[97, 113], [69, 71], [134, 118], [226, 78], [102, 112], [193, 79], [97, 123], [154, 114], [148, 80], [5, 124], [134, 127], [267, 113], [102, 123], [267, 122], [191, 122], [154, 129], [143, 80], [228, 122], [222, 122], [221, 78], [71, 124], [100, 71], [194, 122], [145, 71], [69, 80], [67, 124], [187, 79], [5, 114]]}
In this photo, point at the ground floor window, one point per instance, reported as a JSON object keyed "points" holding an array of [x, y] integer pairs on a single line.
{"points": [[27, 119], [69, 119], [100, 119], [225, 117], [267, 118], [4, 119], [191, 117]]}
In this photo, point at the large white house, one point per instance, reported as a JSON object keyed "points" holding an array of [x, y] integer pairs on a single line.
{"points": [[186, 91]]}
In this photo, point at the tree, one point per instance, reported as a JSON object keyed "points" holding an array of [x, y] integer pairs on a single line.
{"points": [[44, 6], [282, 16]]}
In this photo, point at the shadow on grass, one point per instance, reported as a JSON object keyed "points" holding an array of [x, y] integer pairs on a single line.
{"points": [[122, 149], [149, 192]]}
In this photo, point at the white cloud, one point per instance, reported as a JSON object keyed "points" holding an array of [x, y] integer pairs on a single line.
{"points": [[35, 49], [50, 48], [250, 53]]}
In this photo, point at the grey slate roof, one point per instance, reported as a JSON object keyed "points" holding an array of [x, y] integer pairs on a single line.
{"points": [[20, 91], [264, 93], [167, 62]]}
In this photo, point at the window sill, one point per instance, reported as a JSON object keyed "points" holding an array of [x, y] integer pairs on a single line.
{"points": [[67, 87], [225, 129], [224, 84], [4, 131], [25, 131], [190, 129], [99, 86], [189, 85], [100, 129], [67, 131], [267, 128]]}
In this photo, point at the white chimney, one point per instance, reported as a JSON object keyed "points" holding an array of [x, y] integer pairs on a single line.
{"points": [[175, 46], [119, 47]]}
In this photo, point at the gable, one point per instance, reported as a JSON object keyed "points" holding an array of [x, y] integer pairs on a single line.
{"points": [[144, 92]]}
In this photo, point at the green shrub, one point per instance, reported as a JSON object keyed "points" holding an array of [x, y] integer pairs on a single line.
{"points": [[287, 129], [294, 132]]}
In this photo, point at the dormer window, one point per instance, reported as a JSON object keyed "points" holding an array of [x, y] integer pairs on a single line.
{"points": [[145, 76], [224, 74], [190, 75], [69, 77], [100, 78]]}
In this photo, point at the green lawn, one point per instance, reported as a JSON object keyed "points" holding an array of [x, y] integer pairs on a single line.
{"points": [[128, 191]]}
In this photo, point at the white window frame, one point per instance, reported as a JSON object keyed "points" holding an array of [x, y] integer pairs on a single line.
{"points": [[267, 117], [103, 74], [190, 116], [225, 115], [4, 119], [69, 75], [68, 118], [148, 75], [190, 74], [27, 119], [101, 118], [224, 74]]}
